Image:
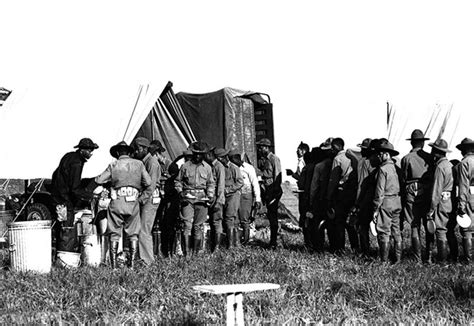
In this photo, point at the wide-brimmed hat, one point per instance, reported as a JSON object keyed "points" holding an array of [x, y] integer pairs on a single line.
{"points": [[417, 134], [220, 152], [440, 145], [464, 221], [120, 146], [365, 143], [142, 141], [327, 144], [199, 147], [234, 152], [187, 152], [156, 145], [385, 146], [264, 142], [466, 142], [86, 143]]}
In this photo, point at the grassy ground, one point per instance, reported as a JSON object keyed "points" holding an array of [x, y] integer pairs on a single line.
{"points": [[315, 288]]}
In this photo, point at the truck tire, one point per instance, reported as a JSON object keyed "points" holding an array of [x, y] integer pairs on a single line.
{"points": [[37, 212]]}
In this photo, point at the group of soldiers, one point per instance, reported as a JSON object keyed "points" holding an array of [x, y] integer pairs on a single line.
{"points": [[144, 190], [375, 192]]}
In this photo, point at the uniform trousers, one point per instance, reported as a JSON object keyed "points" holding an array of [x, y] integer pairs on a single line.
{"points": [[388, 219], [145, 238], [245, 209], [193, 216], [125, 215], [216, 218], [441, 219], [231, 209]]}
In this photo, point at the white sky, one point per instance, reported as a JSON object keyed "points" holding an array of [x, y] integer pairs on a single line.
{"points": [[329, 66]]}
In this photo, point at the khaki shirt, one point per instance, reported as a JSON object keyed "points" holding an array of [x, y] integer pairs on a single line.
{"points": [[196, 177], [341, 170], [443, 183], [153, 168], [233, 179], [387, 183], [270, 171], [218, 171]]}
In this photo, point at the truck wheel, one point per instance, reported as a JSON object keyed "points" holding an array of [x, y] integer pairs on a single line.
{"points": [[37, 212]]}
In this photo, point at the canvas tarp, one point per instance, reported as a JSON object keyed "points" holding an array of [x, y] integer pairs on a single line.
{"points": [[222, 118]]}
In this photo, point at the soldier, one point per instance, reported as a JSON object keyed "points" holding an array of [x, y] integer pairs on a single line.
{"points": [[217, 207], [318, 195], [304, 188], [196, 187], [170, 205], [149, 208], [250, 193], [465, 182], [386, 203], [270, 170], [341, 193], [452, 223], [361, 212], [302, 149], [441, 206], [416, 169], [233, 184], [66, 191], [128, 177]]}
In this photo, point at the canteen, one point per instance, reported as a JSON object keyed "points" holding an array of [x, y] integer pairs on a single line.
{"points": [[430, 226], [373, 228]]}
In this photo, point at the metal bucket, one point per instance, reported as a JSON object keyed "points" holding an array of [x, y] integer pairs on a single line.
{"points": [[30, 246], [68, 259], [91, 250]]}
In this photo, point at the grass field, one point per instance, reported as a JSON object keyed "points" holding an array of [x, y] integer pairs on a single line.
{"points": [[315, 288]]}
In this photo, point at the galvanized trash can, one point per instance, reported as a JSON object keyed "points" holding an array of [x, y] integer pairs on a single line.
{"points": [[30, 246]]}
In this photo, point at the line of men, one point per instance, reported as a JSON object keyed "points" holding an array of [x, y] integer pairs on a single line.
{"points": [[146, 187], [340, 192]]}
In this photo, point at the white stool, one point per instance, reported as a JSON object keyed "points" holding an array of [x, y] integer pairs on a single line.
{"points": [[234, 294]]}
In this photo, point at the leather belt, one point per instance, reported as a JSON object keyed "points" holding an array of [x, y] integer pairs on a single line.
{"points": [[130, 193]]}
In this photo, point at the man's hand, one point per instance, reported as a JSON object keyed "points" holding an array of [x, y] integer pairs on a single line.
{"points": [[331, 213], [309, 215]]}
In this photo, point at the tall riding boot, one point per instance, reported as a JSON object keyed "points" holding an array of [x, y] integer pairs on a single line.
{"points": [[364, 242], [273, 235], [113, 253], [217, 241], [237, 237], [384, 247], [398, 251], [197, 243], [133, 246], [171, 243], [453, 248], [186, 245], [467, 246], [416, 247], [246, 238], [442, 250], [230, 237], [429, 248]]}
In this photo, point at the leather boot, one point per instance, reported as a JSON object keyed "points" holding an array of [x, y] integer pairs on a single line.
{"points": [[197, 244], [442, 251], [453, 248], [467, 246], [429, 249], [113, 253], [171, 244], [416, 247], [230, 238], [159, 252], [237, 237], [133, 246], [384, 247], [186, 245], [398, 251], [246, 238]]}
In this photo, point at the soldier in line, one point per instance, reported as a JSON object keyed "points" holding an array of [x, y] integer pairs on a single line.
{"points": [[302, 149], [270, 170], [465, 205], [317, 209], [250, 195], [233, 184], [441, 207], [149, 208], [341, 193], [216, 208], [416, 169], [196, 187], [304, 187], [386, 203], [171, 207], [130, 188]]}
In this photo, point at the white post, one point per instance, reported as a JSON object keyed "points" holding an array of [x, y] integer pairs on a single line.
{"points": [[239, 309], [230, 309]]}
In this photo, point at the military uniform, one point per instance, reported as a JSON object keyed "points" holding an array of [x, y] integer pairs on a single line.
{"points": [[127, 177], [194, 183], [365, 194], [304, 186], [250, 193], [218, 206], [233, 184]]}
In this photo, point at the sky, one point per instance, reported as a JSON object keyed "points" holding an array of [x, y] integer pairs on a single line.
{"points": [[329, 66]]}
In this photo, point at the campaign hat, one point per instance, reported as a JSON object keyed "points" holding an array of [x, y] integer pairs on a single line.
{"points": [[156, 144], [264, 142], [385, 146], [466, 142], [327, 144], [86, 143], [220, 152], [234, 152], [365, 143], [417, 134], [440, 145], [142, 141], [199, 147], [121, 145]]}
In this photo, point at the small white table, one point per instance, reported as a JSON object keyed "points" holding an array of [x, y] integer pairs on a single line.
{"points": [[234, 294]]}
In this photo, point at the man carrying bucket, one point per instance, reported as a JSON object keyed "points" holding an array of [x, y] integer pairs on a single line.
{"points": [[130, 185], [66, 192]]}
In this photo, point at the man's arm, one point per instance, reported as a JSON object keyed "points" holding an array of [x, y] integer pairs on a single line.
{"points": [[210, 185], [237, 178], [379, 194], [464, 183], [334, 178], [254, 182], [437, 190], [105, 176]]}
